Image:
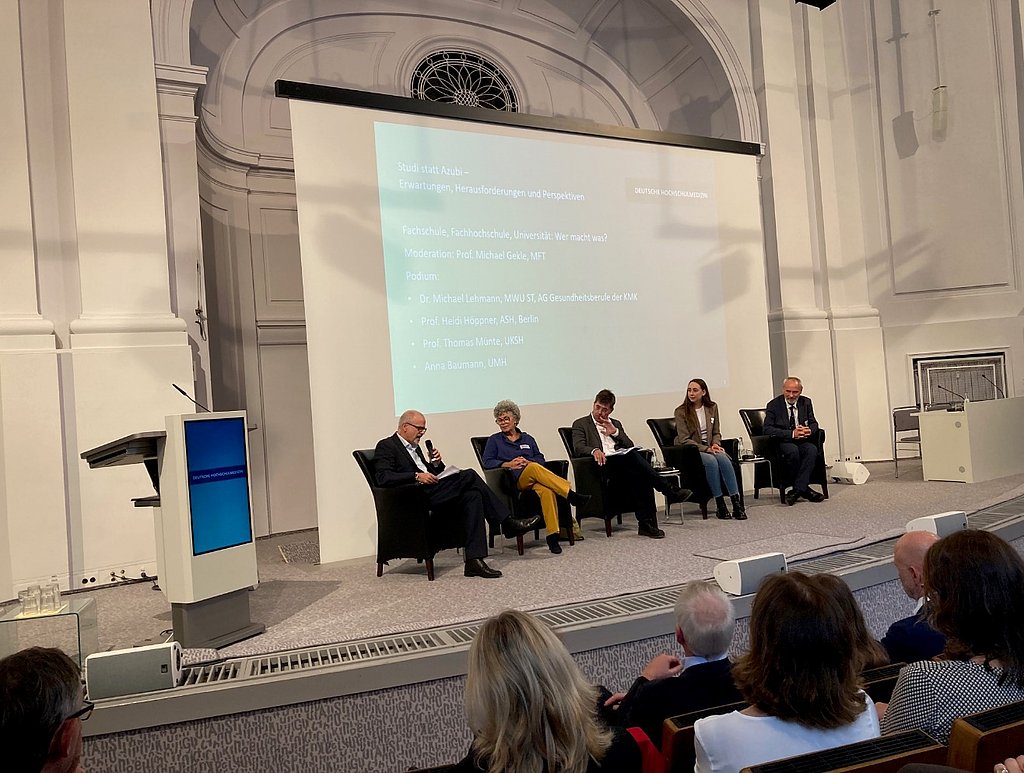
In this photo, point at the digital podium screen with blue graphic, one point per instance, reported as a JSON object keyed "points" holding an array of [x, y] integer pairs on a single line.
{"points": [[218, 484]]}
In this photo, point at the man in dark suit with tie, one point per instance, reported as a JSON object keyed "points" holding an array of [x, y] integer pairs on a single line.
{"points": [[598, 435], [912, 638], [669, 686], [400, 460], [790, 418]]}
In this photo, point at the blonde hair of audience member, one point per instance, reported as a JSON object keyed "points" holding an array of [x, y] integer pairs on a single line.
{"points": [[802, 665], [974, 581], [871, 652], [527, 703]]}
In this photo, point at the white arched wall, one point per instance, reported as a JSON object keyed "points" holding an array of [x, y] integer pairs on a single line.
{"points": [[562, 64]]}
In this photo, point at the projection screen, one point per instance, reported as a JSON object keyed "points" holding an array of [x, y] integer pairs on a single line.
{"points": [[450, 263]]}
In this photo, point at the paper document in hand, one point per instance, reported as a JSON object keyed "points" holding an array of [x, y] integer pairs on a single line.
{"points": [[451, 469], [621, 451]]}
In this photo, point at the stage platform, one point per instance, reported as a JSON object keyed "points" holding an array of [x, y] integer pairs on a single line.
{"points": [[345, 647]]}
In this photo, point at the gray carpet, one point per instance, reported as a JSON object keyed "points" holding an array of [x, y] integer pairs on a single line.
{"points": [[303, 604]]}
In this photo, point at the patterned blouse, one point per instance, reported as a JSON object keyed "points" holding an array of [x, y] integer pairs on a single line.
{"points": [[931, 695]]}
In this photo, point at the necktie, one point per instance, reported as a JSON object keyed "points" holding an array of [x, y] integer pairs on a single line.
{"points": [[792, 417], [419, 453]]}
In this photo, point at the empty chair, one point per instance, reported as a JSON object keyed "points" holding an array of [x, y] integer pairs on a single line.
{"points": [[906, 430], [406, 527]]}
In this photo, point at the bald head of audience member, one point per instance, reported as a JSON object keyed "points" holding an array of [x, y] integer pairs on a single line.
{"points": [[704, 620], [41, 712], [908, 555]]}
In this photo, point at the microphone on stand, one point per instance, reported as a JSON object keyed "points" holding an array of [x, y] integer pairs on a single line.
{"points": [[191, 399], [993, 383], [955, 394]]}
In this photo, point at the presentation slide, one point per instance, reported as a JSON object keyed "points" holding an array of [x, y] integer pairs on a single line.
{"points": [[218, 484], [508, 258], [449, 264]]}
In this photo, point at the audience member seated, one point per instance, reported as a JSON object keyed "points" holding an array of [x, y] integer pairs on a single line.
{"points": [[401, 461], [913, 638], [975, 582], [41, 712], [518, 452], [697, 424], [790, 419], [872, 654], [600, 436], [531, 709], [669, 687], [799, 677]]}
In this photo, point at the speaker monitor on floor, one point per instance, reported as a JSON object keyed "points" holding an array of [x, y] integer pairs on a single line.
{"points": [[743, 576], [131, 671], [940, 524], [849, 472]]}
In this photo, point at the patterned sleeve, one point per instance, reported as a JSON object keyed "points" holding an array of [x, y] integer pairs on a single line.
{"points": [[912, 704]]}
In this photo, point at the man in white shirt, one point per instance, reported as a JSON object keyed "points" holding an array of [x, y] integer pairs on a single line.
{"points": [[601, 437]]}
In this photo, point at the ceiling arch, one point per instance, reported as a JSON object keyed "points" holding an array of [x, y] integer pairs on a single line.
{"points": [[636, 63]]}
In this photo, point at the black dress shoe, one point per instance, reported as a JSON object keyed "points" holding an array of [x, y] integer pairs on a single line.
{"points": [[553, 546], [650, 530], [577, 499], [812, 496], [513, 527], [792, 496], [475, 567]]}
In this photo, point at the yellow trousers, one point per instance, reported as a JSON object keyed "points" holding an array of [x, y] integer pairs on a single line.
{"points": [[547, 486]]}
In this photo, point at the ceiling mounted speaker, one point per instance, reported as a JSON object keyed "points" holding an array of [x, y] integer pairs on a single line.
{"points": [[821, 5]]}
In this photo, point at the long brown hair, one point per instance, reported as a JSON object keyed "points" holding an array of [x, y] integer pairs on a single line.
{"points": [[802, 665], [975, 585], [871, 653], [689, 412]]}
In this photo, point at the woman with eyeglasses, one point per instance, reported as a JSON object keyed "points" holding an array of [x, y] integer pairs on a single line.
{"points": [[517, 451]]}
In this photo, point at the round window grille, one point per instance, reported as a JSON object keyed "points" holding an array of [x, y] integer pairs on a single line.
{"points": [[463, 78]]}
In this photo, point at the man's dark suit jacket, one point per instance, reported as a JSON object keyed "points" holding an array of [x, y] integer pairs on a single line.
{"points": [[648, 704], [912, 639], [585, 437], [776, 420], [393, 463]]}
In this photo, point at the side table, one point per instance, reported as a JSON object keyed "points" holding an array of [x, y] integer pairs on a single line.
{"points": [[72, 629]]}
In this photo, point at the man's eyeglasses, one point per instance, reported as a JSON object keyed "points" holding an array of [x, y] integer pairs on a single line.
{"points": [[85, 712], [417, 427]]}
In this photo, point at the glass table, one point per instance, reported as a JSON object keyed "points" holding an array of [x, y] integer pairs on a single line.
{"points": [[72, 629]]}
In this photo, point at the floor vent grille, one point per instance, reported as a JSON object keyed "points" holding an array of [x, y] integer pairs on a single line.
{"points": [[660, 600]]}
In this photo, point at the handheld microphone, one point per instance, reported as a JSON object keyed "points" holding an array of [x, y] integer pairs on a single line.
{"points": [[955, 394], [431, 462], [993, 383], [191, 399]]}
